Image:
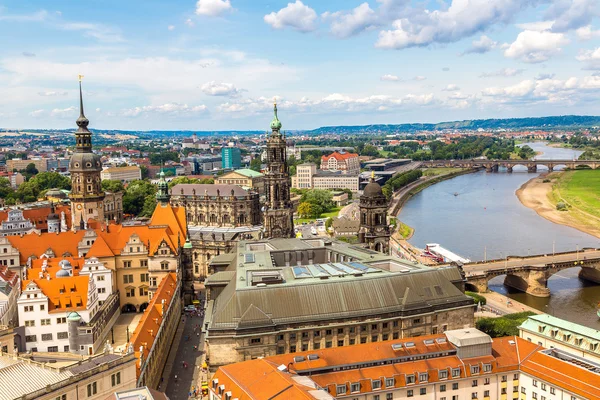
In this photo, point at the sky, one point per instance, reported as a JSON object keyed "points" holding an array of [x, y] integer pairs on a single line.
{"points": [[220, 64]]}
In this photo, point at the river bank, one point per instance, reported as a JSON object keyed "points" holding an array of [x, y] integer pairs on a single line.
{"points": [[537, 194]]}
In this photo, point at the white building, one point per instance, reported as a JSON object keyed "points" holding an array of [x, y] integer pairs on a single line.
{"points": [[101, 276], [123, 174], [16, 224], [51, 293], [10, 289], [308, 177]]}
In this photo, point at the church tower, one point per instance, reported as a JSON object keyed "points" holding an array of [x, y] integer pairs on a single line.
{"points": [[277, 213], [85, 167], [374, 231]]}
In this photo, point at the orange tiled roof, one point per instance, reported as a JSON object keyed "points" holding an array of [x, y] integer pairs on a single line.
{"points": [[145, 332], [339, 156], [259, 379], [173, 217], [52, 266], [36, 245], [577, 380], [64, 294], [39, 216]]}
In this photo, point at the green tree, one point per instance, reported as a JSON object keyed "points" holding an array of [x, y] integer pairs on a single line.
{"points": [[186, 180], [329, 223], [159, 158], [319, 197], [370, 150], [144, 171], [305, 209], [49, 180], [31, 169], [256, 164], [135, 196], [112, 186], [149, 206], [5, 188]]}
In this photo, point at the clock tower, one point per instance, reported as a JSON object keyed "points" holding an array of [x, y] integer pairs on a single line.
{"points": [[278, 214], [85, 167]]}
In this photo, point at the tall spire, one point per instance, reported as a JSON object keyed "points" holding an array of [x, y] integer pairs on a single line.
{"points": [[162, 194], [83, 135], [275, 123]]}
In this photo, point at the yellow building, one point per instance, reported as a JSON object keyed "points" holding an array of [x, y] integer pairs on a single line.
{"points": [[245, 178]]}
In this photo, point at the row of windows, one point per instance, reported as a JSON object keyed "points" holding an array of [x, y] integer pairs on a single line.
{"points": [[143, 263]]}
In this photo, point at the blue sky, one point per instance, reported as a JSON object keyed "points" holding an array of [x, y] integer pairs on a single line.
{"points": [[220, 64]]}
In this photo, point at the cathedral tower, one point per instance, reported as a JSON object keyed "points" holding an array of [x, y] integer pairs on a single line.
{"points": [[374, 231], [85, 167], [277, 213]]}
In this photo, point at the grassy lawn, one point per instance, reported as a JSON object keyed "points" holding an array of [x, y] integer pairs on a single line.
{"points": [[580, 189], [439, 171], [332, 214], [404, 230]]}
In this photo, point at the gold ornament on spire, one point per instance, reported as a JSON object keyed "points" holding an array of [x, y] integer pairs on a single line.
{"points": [[80, 77], [372, 174]]}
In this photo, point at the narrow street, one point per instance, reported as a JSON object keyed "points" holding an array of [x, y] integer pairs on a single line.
{"points": [[189, 350]]}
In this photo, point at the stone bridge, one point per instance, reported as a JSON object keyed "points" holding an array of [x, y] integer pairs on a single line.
{"points": [[494, 165], [530, 274]]}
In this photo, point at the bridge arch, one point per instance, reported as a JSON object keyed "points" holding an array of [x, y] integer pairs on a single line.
{"points": [[471, 287]]}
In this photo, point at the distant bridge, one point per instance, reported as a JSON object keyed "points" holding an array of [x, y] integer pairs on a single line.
{"points": [[530, 274], [494, 165]]}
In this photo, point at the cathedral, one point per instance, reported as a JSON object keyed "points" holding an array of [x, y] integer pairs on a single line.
{"points": [[278, 214], [88, 200]]}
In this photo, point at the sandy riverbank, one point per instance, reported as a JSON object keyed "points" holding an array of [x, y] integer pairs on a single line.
{"points": [[535, 194]]}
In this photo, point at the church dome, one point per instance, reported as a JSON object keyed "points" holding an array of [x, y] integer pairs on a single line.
{"points": [[85, 162], [373, 189], [275, 123]]}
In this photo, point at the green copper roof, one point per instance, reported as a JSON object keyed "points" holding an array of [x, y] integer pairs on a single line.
{"points": [[248, 172], [533, 323], [275, 124]]}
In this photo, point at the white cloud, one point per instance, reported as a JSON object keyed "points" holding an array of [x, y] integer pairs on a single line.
{"points": [[388, 77], [536, 26], [346, 24], [451, 88], [419, 78], [219, 89], [97, 31], [168, 109], [572, 14], [587, 33], [171, 27], [461, 19], [52, 93], [38, 16], [63, 112], [591, 58], [295, 15], [213, 8], [189, 22], [502, 72], [37, 113], [482, 45], [536, 46]]}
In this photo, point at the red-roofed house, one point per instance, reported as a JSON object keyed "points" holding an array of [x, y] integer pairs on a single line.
{"points": [[348, 163]]}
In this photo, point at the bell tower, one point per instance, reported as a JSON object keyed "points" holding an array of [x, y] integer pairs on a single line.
{"points": [[85, 167], [278, 215], [374, 231]]}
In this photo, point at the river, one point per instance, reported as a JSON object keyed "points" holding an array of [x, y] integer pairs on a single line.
{"points": [[486, 220]]}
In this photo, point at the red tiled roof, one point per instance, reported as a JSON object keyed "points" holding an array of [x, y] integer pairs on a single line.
{"points": [[339, 156]]}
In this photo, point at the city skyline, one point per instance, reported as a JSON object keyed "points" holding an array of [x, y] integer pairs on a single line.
{"points": [[220, 64]]}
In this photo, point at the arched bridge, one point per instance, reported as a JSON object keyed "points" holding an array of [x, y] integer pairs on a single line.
{"points": [[493, 165], [530, 274]]}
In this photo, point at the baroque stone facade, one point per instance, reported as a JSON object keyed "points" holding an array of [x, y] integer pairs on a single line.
{"points": [[374, 231], [217, 205], [278, 212]]}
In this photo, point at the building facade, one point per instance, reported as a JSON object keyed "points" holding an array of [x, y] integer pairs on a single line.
{"points": [[254, 308], [551, 332], [232, 157], [347, 163], [85, 166], [309, 177], [246, 178], [458, 365], [374, 231], [16, 224], [123, 174], [10, 290], [41, 164], [217, 205], [278, 213]]}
